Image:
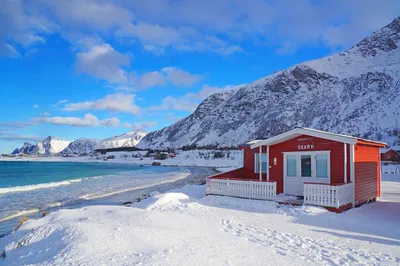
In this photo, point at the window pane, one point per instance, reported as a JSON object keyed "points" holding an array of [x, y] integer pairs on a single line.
{"points": [[263, 161], [256, 162], [291, 165], [322, 165], [306, 165]]}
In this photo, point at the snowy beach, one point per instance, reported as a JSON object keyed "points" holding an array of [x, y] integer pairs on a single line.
{"points": [[183, 226], [29, 188]]}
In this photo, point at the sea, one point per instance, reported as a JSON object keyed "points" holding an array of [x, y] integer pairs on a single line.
{"points": [[28, 188]]}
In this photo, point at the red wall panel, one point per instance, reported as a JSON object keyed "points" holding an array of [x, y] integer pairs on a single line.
{"points": [[248, 163], [276, 171], [336, 156], [367, 173]]}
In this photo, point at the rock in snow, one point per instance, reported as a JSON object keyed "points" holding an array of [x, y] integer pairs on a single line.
{"points": [[355, 92]]}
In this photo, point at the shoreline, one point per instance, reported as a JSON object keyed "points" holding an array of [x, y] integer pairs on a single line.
{"points": [[193, 158], [126, 197]]}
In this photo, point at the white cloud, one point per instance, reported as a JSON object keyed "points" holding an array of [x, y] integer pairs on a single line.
{"points": [[287, 48], [189, 101], [127, 125], [148, 80], [35, 106], [141, 125], [175, 103], [45, 114], [60, 102], [179, 77], [8, 50], [15, 124], [160, 78], [102, 61], [162, 25], [152, 33], [92, 14], [21, 24], [88, 120], [173, 118], [110, 122], [118, 102], [17, 137]]}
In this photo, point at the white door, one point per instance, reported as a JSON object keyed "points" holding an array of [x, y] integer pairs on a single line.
{"points": [[301, 167]]}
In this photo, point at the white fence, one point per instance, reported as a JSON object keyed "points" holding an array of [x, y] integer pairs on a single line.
{"points": [[242, 189], [328, 196]]}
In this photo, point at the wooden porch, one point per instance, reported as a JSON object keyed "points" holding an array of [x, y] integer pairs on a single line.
{"points": [[333, 197]]}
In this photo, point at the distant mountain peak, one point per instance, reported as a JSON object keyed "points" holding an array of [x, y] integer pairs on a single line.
{"points": [[129, 139], [82, 146], [385, 39]]}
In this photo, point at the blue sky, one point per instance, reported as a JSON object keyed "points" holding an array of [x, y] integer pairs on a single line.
{"points": [[96, 68]]}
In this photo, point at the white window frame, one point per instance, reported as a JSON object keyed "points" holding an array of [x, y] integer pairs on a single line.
{"points": [[313, 177], [257, 165]]}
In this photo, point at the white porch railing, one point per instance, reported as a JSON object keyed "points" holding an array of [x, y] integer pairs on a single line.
{"points": [[328, 196], [242, 188]]}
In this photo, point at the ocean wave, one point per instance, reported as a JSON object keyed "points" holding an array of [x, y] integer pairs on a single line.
{"points": [[18, 214], [37, 186]]}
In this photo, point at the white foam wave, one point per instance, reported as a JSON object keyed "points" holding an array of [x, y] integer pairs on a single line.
{"points": [[37, 186], [102, 195], [18, 214]]}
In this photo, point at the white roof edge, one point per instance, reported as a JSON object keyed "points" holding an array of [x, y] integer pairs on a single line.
{"points": [[306, 131]]}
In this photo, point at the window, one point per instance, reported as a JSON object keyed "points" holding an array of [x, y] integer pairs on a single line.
{"points": [[322, 165], [306, 165], [264, 163], [291, 165]]}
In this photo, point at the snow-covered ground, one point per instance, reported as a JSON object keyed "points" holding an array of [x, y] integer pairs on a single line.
{"points": [[183, 158], [184, 227]]}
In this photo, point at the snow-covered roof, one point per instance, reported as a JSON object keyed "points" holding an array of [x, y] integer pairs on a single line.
{"points": [[310, 132], [254, 141]]}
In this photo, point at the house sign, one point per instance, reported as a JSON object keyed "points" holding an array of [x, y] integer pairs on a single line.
{"points": [[306, 147]]}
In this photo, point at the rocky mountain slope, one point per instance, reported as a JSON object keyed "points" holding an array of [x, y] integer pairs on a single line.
{"points": [[354, 92], [82, 146], [27, 148], [130, 139]]}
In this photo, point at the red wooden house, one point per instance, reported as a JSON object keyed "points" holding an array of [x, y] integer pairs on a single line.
{"points": [[322, 168], [390, 155]]}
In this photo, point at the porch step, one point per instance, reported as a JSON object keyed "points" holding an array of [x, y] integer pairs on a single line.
{"points": [[293, 202]]}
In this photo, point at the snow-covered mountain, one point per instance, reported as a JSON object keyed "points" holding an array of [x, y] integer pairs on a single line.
{"points": [[81, 146], [51, 145], [354, 92], [130, 139], [27, 148]]}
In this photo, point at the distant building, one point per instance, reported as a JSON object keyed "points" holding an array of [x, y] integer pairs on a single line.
{"points": [[390, 155]]}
